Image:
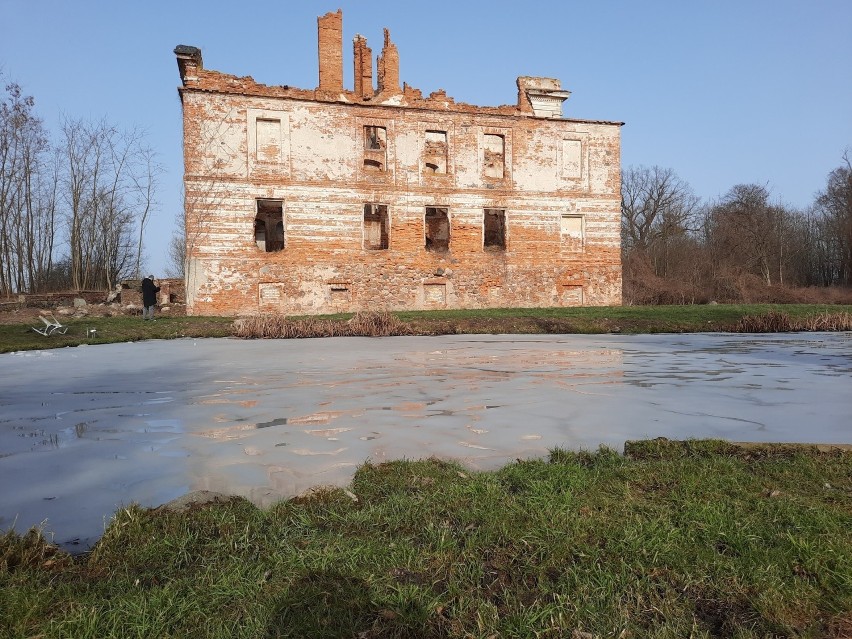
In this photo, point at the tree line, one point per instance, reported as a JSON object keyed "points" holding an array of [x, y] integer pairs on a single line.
{"points": [[74, 206], [743, 247]]}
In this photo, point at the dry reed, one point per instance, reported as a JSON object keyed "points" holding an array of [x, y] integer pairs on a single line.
{"points": [[363, 324], [778, 322]]}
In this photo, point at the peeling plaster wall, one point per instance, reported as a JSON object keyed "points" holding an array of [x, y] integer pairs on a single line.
{"points": [[311, 158]]}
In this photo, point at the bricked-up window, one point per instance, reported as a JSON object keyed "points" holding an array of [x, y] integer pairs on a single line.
{"points": [[375, 227], [572, 230], [268, 140], [269, 225], [437, 229], [572, 159], [375, 148], [435, 152], [494, 229], [495, 155]]}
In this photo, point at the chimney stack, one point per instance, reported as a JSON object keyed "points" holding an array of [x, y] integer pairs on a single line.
{"points": [[363, 67], [389, 67], [189, 62], [330, 41]]}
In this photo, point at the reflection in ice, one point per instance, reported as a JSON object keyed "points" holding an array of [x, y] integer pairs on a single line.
{"points": [[82, 431]]}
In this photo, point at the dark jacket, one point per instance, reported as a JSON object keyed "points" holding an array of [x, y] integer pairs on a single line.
{"points": [[149, 292]]}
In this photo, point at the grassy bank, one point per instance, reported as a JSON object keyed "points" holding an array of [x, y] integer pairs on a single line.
{"points": [[675, 540], [108, 330], [16, 336]]}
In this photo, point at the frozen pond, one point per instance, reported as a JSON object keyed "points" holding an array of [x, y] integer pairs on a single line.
{"points": [[85, 430]]}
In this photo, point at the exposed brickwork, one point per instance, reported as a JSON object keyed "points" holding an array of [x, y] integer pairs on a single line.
{"points": [[389, 68], [262, 160], [330, 44], [363, 56]]}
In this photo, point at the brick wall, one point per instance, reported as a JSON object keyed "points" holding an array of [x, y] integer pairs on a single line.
{"points": [[315, 160]]}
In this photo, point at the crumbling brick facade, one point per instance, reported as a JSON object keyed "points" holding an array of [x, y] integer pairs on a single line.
{"points": [[308, 201]]}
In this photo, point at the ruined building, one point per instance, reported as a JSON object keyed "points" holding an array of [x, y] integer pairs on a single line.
{"points": [[307, 201]]}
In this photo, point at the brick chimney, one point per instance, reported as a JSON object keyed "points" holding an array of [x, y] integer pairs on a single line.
{"points": [[389, 67], [363, 67], [189, 62], [330, 42]]}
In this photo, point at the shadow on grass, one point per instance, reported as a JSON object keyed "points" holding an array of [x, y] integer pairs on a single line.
{"points": [[325, 604], [330, 604]]}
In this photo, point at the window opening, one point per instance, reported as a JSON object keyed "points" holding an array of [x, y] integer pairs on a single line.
{"points": [[269, 225], [435, 152], [494, 229], [375, 227], [375, 148], [495, 155], [437, 229], [375, 138]]}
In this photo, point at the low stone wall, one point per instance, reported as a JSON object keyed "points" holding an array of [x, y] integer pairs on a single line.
{"points": [[64, 298], [172, 291]]}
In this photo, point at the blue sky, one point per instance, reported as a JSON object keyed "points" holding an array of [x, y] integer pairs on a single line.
{"points": [[724, 92]]}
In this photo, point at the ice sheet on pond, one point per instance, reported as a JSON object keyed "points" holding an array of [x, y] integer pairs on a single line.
{"points": [[86, 430]]}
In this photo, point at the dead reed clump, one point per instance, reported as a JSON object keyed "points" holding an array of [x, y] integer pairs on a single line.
{"points": [[828, 322], [363, 324], [377, 324], [771, 322], [260, 326], [778, 322]]}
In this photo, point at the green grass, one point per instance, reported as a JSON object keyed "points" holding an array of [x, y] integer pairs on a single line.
{"points": [[608, 319], [20, 336], [696, 540], [591, 320]]}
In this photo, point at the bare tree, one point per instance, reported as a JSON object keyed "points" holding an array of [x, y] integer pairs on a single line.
{"points": [[145, 181], [834, 208], [26, 229], [751, 233], [109, 188], [177, 248], [657, 208]]}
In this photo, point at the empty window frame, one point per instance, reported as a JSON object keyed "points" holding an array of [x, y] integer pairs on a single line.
{"points": [[435, 152], [494, 159], [376, 225], [375, 138], [494, 229], [437, 222], [375, 148], [572, 229], [269, 225]]}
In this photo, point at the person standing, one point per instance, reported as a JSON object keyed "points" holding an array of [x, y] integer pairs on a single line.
{"points": [[149, 297]]}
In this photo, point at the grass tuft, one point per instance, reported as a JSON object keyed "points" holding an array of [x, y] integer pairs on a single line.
{"points": [[29, 551]]}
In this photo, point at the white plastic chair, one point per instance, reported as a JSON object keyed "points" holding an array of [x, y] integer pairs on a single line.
{"points": [[50, 327]]}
